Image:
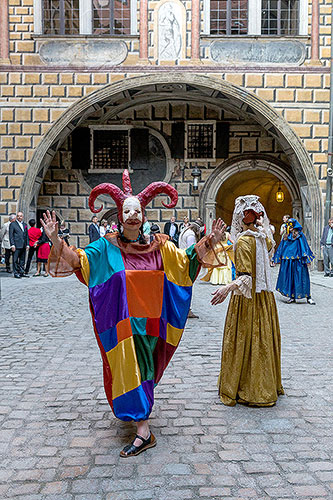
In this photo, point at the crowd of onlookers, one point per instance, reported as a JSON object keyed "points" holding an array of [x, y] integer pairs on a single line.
{"points": [[20, 243]]}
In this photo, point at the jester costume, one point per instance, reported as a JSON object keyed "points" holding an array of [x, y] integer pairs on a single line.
{"points": [[294, 255], [140, 295]]}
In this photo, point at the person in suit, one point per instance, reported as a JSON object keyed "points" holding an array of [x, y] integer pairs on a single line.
{"points": [[19, 241], [63, 232], [326, 243], [94, 233], [171, 229], [5, 243]]}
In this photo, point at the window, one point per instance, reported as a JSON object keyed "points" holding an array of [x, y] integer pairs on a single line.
{"points": [[200, 141], [228, 17], [61, 17], [255, 17], [280, 17], [85, 17], [110, 149], [111, 17]]}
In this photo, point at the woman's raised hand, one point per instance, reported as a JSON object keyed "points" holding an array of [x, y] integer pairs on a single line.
{"points": [[50, 225], [218, 229]]}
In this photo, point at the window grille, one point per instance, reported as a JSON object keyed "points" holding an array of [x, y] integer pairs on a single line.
{"points": [[280, 17], [112, 17], [200, 141], [61, 17], [228, 17], [110, 149]]}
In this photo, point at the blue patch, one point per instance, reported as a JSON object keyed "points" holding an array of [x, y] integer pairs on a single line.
{"points": [[109, 339], [133, 405], [139, 326], [104, 260], [176, 303]]}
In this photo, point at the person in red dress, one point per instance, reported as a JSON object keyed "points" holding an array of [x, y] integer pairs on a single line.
{"points": [[34, 233], [43, 253]]}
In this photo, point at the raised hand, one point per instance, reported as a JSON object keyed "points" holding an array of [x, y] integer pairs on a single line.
{"points": [[218, 229], [50, 225]]}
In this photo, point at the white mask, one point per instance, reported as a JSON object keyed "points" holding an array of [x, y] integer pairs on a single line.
{"points": [[132, 209]]}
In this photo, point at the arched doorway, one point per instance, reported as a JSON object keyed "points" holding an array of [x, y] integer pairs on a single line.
{"points": [[188, 87], [251, 174], [262, 183]]}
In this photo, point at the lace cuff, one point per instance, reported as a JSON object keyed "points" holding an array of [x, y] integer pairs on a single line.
{"points": [[244, 286], [65, 262], [209, 254]]}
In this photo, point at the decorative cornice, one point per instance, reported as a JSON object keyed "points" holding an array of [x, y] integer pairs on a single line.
{"points": [[167, 69]]}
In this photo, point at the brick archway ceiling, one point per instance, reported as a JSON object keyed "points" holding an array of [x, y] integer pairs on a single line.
{"points": [[108, 109]]}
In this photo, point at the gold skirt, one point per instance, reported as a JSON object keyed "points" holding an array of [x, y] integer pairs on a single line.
{"points": [[251, 352]]}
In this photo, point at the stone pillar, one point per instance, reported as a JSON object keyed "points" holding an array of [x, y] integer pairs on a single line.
{"points": [[143, 47], [195, 35], [4, 32], [315, 34]]}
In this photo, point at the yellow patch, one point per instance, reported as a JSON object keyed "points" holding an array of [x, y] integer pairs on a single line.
{"points": [[176, 264], [173, 335], [124, 367], [85, 269]]}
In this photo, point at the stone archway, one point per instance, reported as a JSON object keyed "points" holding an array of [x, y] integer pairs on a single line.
{"points": [[248, 164], [187, 86]]}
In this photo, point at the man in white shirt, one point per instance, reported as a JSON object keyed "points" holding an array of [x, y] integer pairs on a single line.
{"points": [[5, 243], [171, 229]]}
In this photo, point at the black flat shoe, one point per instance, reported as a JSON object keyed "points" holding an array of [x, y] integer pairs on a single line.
{"points": [[132, 451]]}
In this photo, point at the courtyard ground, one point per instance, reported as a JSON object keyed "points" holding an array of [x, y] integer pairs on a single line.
{"points": [[60, 441]]}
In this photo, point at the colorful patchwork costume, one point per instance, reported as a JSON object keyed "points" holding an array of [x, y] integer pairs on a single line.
{"points": [[140, 295], [139, 304]]}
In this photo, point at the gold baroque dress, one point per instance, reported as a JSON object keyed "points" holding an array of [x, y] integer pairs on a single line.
{"points": [[250, 366]]}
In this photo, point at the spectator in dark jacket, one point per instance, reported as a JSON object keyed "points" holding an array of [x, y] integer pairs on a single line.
{"points": [[326, 243], [94, 233], [171, 229], [19, 241]]}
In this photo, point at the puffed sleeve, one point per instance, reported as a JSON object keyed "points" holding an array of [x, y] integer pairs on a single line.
{"points": [[244, 267]]}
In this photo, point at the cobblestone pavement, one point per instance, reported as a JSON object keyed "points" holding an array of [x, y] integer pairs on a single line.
{"points": [[59, 439]]}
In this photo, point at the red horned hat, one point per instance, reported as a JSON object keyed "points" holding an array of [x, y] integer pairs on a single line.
{"points": [[120, 196]]}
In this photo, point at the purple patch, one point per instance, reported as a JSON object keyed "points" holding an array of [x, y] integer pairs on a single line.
{"points": [[163, 328], [148, 387], [109, 301], [150, 261]]}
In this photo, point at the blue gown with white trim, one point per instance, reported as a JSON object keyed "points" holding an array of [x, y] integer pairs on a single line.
{"points": [[294, 255]]}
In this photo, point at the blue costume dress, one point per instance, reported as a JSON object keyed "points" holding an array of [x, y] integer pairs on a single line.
{"points": [[294, 254]]}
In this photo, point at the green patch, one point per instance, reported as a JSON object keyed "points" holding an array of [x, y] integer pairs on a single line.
{"points": [[144, 347], [194, 264]]}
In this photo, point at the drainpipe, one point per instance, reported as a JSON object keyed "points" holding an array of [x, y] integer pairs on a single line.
{"points": [[4, 32], [315, 61], [329, 174], [143, 41], [195, 32]]}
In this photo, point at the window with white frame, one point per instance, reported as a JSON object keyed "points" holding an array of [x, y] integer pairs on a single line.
{"points": [[255, 17], [112, 17], [85, 17], [61, 17], [279, 17], [228, 17]]}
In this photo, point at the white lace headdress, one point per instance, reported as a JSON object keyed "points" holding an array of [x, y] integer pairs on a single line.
{"points": [[263, 272], [248, 202]]}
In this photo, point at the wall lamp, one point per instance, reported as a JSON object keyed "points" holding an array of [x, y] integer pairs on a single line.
{"points": [[279, 195], [196, 174]]}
